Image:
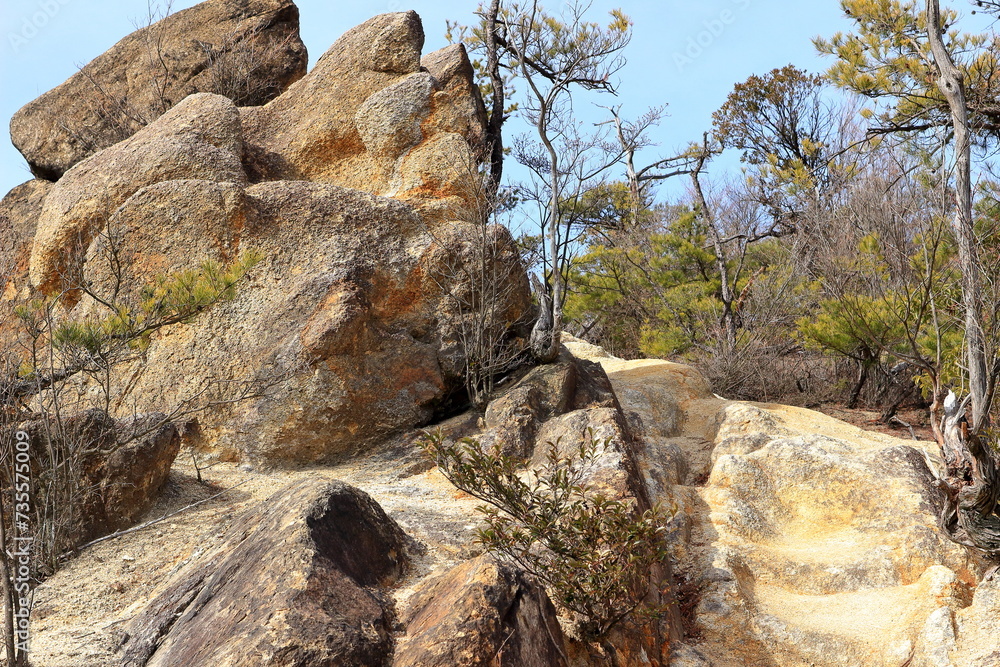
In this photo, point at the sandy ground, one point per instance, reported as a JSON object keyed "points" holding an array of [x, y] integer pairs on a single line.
{"points": [[917, 419], [80, 612]]}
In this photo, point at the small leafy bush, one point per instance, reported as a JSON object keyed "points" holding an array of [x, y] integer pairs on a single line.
{"points": [[591, 552]]}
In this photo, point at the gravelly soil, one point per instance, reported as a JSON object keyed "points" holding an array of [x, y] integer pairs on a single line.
{"points": [[80, 612]]}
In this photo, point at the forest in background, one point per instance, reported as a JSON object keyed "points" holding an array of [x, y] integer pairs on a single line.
{"points": [[825, 268]]}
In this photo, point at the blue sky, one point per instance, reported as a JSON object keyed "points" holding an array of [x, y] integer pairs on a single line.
{"points": [[685, 53]]}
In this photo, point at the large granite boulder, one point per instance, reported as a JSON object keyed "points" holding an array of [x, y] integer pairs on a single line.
{"points": [[19, 212], [298, 581], [199, 138], [369, 116], [480, 614], [349, 326], [341, 334], [247, 50], [799, 539], [98, 474]]}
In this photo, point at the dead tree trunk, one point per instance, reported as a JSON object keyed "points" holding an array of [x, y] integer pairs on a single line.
{"points": [[971, 486]]}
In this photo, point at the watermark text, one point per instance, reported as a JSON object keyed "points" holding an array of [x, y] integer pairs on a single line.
{"points": [[21, 553], [713, 29], [32, 24]]}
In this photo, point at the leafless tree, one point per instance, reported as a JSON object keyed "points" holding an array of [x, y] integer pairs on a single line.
{"points": [[60, 382], [481, 278]]}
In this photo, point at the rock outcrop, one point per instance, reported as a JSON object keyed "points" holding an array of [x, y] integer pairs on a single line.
{"points": [[297, 582], [342, 328], [369, 117], [800, 539], [463, 607], [249, 51], [513, 418], [200, 138], [480, 613], [797, 539], [564, 405], [347, 329], [19, 212], [110, 471]]}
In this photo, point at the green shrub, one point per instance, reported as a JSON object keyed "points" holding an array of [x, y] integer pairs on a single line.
{"points": [[591, 552]]}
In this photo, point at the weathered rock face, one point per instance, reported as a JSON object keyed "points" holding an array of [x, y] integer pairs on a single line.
{"points": [[480, 614], [128, 479], [296, 582], [802, 540], [973, 631], [456, 101], [249, 51], [343, 319], [368, 117], [615, 474], [19, 211], [514, 417], [200, 138], [816, 527], [121, 467], [347, 329], [566, 404]]}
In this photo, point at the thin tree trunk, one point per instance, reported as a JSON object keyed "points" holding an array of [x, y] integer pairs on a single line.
{"points": [[546, 333], [952, 86], [728, 319], [556, 249], [494, 134], [972, 487], [937, 417], [6, 579], [633, 178], [859, 385]]}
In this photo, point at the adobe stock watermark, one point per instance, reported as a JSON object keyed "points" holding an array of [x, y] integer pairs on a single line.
{"points": [[32, 24], [713, 29], [21, 553]]}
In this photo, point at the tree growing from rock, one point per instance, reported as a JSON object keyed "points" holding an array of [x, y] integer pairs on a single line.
{"points": [[552, 56], [932, 77]]}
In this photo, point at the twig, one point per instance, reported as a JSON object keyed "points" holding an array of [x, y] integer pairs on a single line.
{"points": [[134, 529], [900, 421], [499, 653]]}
